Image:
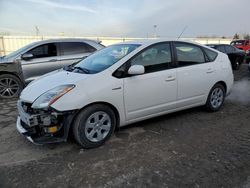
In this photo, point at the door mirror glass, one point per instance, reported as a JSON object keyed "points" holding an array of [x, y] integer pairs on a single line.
{"points": [[136, 70], [27, 56]]}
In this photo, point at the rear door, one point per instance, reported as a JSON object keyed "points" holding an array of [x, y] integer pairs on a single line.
{"points": [[45, 59], [195, 74], [72, 52], [221, 48]]}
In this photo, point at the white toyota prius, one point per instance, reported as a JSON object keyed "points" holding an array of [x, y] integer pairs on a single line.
{"points": [[122, 84]]}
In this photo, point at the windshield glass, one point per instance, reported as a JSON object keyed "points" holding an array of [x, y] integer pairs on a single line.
{"points": [[237, 42], [105, 58], [17, 52]]}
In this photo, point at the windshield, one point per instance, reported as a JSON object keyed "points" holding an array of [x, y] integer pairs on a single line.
{"points": [[105, 58], [17, 52], [237, 42]]}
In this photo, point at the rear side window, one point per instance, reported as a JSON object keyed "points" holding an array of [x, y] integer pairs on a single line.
{"points": [[229, 49], [71, 48], [45, 50], [221, 48], [188, 54], [210, 54]]}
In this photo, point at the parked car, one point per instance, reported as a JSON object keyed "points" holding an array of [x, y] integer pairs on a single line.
{"points": [[235, 55], [28, 63], [241, 44], [122, 84]]}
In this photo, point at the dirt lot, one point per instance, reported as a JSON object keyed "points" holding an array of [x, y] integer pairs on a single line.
{"points": [[192, 148]]}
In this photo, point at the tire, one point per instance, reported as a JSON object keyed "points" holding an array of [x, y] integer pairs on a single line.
{"points": [[216, 98], [237, 63], [90, 130], [10, 86]]}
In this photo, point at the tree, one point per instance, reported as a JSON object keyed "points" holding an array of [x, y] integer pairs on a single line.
{"points": [[236, 36], [246, 36]]}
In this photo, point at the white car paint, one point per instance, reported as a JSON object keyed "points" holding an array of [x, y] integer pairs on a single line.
{"points": [[137, 97]]}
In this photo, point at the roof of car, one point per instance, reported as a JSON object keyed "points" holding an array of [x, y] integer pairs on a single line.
{"points": [[68, 40], [152, 41], [216, 44], [235, 40]]}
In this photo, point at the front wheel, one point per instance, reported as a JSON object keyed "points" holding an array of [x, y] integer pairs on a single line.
{"points": [[215, 98], [94, 125]]}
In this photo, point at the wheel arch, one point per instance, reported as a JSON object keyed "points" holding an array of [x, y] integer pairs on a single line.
{"points": [[13, 74], [223, 84], [117, 115]]}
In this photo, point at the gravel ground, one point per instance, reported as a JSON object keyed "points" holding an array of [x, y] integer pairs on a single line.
{"points": [[192, 148]]}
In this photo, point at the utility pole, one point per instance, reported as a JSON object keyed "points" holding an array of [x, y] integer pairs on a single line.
{"points": [[37, 30]]}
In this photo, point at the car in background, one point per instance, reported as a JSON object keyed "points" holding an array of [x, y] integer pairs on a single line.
{"points": [[123, 84], [30, 62], [241, 44], [235, 55]]}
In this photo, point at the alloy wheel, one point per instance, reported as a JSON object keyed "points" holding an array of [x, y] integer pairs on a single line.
{"points": [[98, 126], [8, 87], [216, 98]]}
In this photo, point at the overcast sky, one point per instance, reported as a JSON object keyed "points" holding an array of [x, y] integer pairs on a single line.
{"points": [[125, 18]]}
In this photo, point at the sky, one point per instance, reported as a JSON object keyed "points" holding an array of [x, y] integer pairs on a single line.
{"points": [[125, 18]]}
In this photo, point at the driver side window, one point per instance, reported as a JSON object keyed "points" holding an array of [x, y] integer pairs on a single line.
{"points": [[45, 50], [155, 58]]}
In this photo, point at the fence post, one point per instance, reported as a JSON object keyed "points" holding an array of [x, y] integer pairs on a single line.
{"points": [[3, 50]]}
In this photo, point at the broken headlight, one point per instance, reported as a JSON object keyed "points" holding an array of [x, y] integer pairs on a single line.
{"points": [[51, 96]]}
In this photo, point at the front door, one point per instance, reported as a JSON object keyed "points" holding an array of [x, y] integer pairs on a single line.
{"points": [[155, 91], [45, 59]]}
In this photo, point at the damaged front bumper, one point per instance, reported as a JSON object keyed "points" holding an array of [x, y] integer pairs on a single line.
{"points": [[43, 126]]}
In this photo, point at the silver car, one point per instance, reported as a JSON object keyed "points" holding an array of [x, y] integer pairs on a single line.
{"points": [[28, 63]]}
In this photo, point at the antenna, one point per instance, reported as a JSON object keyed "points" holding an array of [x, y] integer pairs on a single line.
{"points": [[183, 30]]}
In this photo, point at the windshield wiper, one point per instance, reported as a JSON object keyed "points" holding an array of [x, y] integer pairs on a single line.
{"points": [[82, 69]]}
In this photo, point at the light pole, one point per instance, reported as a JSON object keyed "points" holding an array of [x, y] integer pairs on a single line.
{"points": [[155, 27]]}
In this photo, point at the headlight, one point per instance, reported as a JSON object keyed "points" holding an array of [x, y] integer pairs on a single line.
{"points": [[49, 97]]}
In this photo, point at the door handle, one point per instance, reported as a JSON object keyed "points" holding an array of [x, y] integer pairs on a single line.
{"points": [[210, 70], [170, 78]]}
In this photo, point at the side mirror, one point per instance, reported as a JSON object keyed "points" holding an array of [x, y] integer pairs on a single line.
{"points": [[27, 56], [136, 70]]}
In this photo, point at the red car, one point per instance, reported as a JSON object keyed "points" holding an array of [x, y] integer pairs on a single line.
{"points": [[241, 44]]}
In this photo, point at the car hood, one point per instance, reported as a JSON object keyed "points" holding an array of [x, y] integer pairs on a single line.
{"points": [[48, 82]]}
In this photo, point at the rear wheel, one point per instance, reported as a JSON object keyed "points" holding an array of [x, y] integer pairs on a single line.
{"points": [[94, 125], [215, 98], [10, 86]]}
